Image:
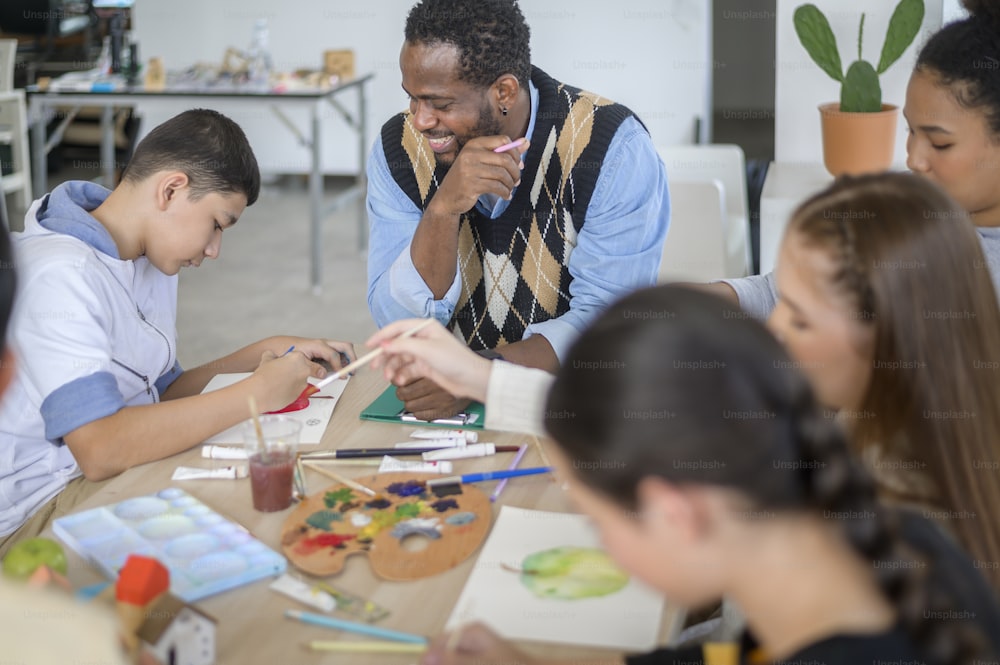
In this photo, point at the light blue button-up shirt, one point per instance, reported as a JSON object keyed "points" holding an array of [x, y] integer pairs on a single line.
{"points": [[617, 251]]}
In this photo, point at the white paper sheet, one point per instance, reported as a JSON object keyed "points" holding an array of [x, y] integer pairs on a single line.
{"points": [[314, 418], [628, 619]]}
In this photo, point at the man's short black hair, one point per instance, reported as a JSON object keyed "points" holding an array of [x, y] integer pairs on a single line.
{"points": [[207, 146], [491, 36]]}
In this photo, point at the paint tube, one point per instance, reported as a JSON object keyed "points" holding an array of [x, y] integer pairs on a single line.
{"points": [[225, 472], [223, 452], [468, 435], [432, 443], [391, 465], [471, 450], [305, 594]]}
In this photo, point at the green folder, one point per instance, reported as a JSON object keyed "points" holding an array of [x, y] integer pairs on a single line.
{"points": [[388, 409]]}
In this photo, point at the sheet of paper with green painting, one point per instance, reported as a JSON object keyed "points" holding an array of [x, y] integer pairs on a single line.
{"points": [[542, 576]]}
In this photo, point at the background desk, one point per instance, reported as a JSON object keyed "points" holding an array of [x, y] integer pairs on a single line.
{"points": [[41, 103], [251, 626]]}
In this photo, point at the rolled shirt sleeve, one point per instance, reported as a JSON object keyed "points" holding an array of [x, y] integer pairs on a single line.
{"points": [[757, 294], [395, 288], [64, 333]]}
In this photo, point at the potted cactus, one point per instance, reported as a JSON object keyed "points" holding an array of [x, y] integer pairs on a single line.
{"points": [[858, 133]]}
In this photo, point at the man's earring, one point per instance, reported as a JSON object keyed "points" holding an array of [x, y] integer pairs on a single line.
{"points": [[503, 110]]}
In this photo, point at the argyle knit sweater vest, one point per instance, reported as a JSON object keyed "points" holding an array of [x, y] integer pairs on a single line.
{"points": [[515, 268]]}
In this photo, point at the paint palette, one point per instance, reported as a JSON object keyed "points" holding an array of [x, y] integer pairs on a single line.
{"points": [[205, 552], [338, 522]]}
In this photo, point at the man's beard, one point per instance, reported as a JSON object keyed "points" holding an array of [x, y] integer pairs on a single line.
{"points": [[486, 125]]}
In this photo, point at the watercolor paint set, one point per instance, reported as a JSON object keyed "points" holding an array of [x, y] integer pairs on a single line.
{"points": [[204, 552]]}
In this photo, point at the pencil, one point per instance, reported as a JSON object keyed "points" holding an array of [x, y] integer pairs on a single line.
{"points": [[513, 465], [366, 647], [354, 627], [360, 362], [354, 485], [510, 146]]}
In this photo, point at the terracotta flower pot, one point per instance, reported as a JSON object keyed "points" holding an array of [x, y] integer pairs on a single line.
{"points": [[855, 143]]}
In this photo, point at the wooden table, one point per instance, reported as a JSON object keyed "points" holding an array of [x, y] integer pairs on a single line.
{"points": [[251, 626]]}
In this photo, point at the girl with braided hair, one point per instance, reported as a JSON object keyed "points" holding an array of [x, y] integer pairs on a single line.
{"points": [[686, 433], [886, 303]]}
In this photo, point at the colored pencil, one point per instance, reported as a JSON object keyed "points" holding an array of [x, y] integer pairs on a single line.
{"points": [[509, 146], [354, 627], [314, 388], [513, 465], [366, 647]]}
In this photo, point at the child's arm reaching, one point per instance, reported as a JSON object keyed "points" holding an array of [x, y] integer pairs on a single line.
{"points": [[138, 434], [193, 381]]}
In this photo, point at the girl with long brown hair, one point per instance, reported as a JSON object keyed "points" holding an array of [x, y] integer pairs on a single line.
{"points": [[885, 301]]}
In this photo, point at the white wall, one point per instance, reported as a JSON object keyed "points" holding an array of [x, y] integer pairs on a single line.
{"points": [[801, 86], [953, 10], [652, 55]]}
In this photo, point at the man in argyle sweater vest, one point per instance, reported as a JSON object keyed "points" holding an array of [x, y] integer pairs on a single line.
{"points": [[517, 250]]}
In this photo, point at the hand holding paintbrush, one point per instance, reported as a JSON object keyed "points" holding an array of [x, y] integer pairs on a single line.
{"points": [[312, 389], [434, 353]]}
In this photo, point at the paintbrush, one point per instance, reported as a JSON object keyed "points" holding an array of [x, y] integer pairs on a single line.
{"points": [[353, 484], [487, 475], [354, 453], [314, 388], [453, 484]]}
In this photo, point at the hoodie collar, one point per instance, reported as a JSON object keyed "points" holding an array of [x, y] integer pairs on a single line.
{"points": [[67, 210]]}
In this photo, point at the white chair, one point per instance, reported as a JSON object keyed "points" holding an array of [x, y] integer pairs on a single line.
{"points": [[13, 132], [726, 164], [694, 249]]}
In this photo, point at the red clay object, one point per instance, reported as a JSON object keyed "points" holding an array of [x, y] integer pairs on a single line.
{"points": [[141, 579]]}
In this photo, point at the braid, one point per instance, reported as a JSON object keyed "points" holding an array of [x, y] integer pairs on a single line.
{"points": [[853, 273], [838, 487]]}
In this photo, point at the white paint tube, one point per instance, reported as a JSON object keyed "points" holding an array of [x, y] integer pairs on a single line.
{"points": [[391, 464], [225, 472], [223, 452], [466, 434], [471, 450], [432, 443], [305, 594]]}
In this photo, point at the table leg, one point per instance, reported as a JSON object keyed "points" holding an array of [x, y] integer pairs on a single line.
{"points": [[362, 181], [108, 146], [39, 159]]}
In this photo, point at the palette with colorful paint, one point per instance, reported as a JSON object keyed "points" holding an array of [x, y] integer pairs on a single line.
{"points": [[204, 552], [331, 525]]}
